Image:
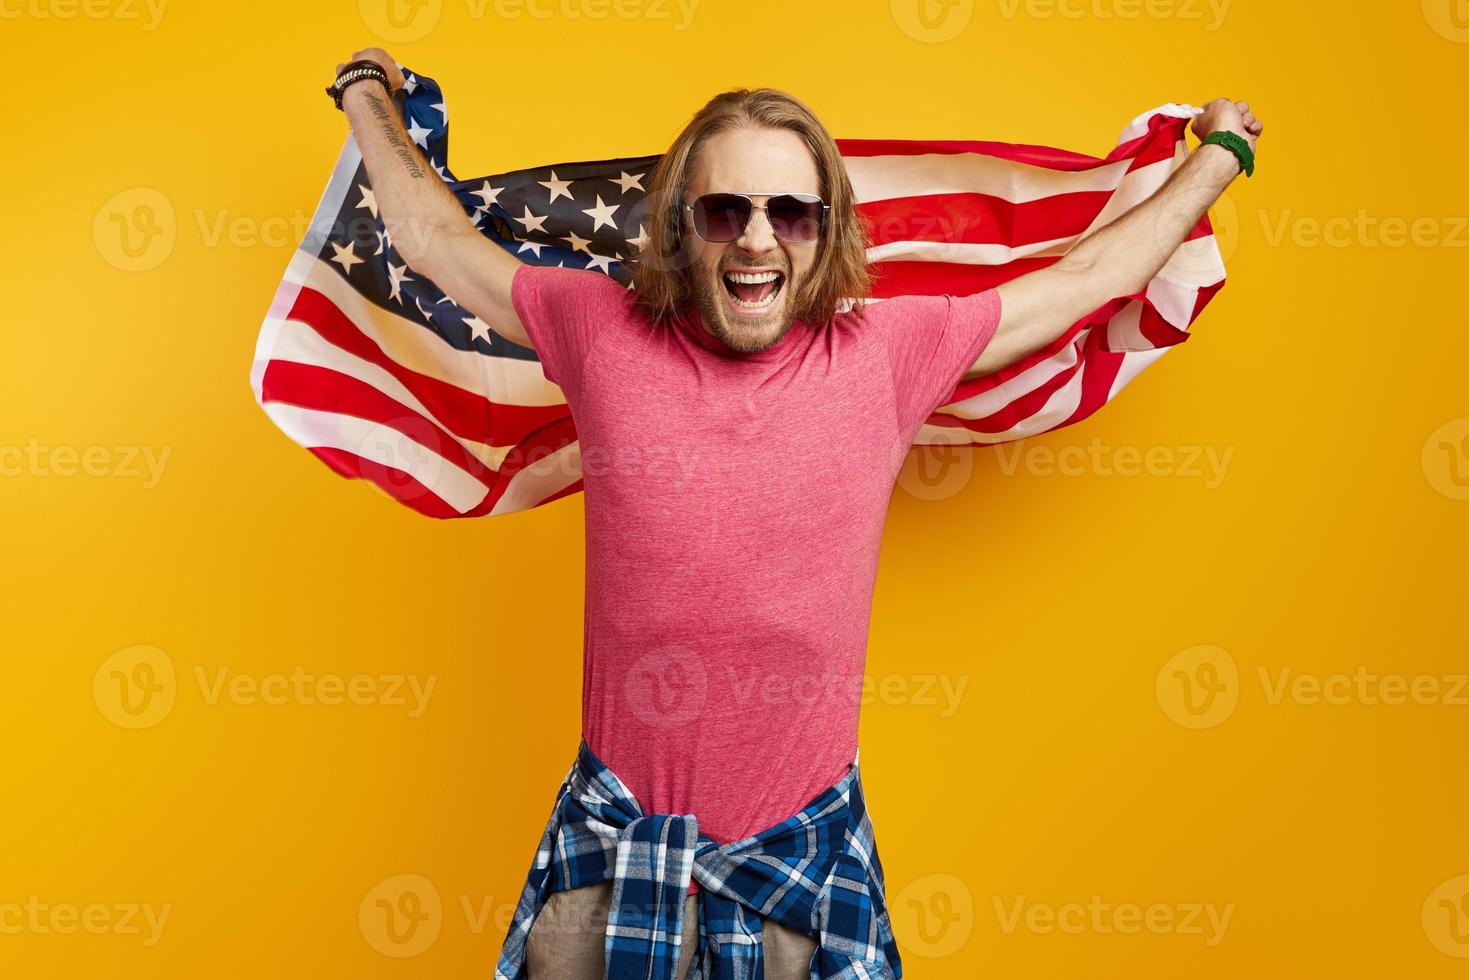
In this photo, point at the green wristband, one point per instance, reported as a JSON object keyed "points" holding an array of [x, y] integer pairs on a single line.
{"points": [[1236, 144]]}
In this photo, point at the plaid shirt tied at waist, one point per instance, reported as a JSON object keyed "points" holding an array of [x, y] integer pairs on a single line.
{"points": [[816, 872]]}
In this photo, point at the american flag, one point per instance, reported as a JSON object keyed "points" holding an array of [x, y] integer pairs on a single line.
{"points": [[385, 378]]}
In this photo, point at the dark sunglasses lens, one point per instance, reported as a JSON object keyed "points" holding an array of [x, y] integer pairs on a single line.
{"points": [[721, 217], [795, 218]]}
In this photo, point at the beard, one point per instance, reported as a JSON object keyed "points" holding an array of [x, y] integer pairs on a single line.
{"points": [[746, 334]]}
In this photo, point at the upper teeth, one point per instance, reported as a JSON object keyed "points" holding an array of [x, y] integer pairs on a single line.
{"points": [[753, 277]]}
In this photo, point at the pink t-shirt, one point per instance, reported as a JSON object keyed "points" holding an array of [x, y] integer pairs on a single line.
{"points": [[734, 511]]}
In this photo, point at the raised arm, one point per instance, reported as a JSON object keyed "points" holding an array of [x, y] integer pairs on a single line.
{"points": [[1120, 258], [426, 225]]}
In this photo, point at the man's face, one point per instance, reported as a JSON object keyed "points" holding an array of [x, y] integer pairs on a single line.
{"points": [[752, 315]]}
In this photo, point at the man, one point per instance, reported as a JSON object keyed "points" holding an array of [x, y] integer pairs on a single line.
{"points": [[741, 431]]}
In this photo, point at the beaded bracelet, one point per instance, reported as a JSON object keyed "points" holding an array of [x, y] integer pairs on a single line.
{"points": [[356, 72]]}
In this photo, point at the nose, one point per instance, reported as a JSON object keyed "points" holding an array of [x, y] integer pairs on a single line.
{"points": [[758, 237]]}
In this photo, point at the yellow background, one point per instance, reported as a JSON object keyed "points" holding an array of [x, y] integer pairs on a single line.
{"points": [[1070, 767]]}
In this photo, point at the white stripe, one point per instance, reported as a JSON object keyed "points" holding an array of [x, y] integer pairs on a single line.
{"points": [[1132, 190], [297, 343], [543, 478], [504, 380], [884, 178], [381, 444], [1001, 396], [303, 258]]}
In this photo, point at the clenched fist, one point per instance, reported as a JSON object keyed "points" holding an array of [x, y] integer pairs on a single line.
{"points": [[1230, 115], [395, 74]]}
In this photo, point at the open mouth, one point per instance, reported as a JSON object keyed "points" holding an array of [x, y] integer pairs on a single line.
{"points": [[753, 292]]}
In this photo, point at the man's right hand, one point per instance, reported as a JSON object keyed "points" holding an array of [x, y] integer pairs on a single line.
{"points": [[426, 224], [395, 74]]}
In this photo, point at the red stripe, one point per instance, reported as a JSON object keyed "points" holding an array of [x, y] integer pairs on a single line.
{"points": [[980, 219], [901, 278], [395, 483], [1153, 145], [462, 412], [325, 390]]}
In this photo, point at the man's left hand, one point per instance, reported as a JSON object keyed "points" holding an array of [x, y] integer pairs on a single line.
{"points": [[1227, 114]]}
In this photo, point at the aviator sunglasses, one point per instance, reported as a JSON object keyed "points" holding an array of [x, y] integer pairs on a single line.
{"points": [[722, 217]]}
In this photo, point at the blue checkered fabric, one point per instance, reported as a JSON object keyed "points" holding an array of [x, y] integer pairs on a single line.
{"points": [[816, 872]]}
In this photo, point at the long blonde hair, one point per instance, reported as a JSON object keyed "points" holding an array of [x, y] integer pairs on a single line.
{"points": [[661, 278]]}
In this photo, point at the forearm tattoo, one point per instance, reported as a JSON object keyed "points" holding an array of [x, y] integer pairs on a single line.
{"points": [[392, 131]]}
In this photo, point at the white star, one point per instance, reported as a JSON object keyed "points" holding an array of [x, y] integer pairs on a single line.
{"points": [[421, 311], [397, 275], [490, 195], [639, 241], [368, 200], [439, 169], [602, 263], [443, 111], [601, 214], [418, 132], [383, 241], [531, 222], [557, 187], [627, 182], [410, 83], [478, 329], [345, 255], [578, 244], [528, 246]]}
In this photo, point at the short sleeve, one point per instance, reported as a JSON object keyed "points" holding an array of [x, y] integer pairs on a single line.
{"points": [[562, 310], [931, 342]]}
